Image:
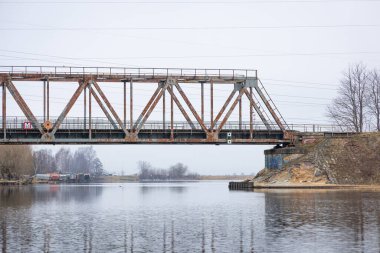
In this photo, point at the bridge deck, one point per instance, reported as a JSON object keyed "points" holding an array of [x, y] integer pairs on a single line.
{"points": [[188, 136]]}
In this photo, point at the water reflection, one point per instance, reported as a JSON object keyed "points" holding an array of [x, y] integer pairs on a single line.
{"points": [[342, 215], [196, 218], [147, 189]]}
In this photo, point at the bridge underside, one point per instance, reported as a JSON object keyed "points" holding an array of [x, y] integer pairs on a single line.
{"points": [[112, 136]]}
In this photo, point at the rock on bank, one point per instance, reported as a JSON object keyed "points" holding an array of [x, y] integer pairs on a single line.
{"points": [[344, 160]]}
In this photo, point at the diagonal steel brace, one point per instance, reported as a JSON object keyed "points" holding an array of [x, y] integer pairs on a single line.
{"points": [[187, 101], [68, 107], [103, 96], [257, 109], [146, 116], [93, 93], [146, 108], [215, 121], [228, 114], [180, 107], [23, 106]]}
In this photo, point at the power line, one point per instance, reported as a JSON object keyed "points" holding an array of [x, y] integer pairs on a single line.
{"points": [[188, 28], [301, 82], [190, 2], [201, 56]]}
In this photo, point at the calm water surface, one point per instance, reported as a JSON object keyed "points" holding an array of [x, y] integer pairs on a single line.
{"points": [[186, 217]]}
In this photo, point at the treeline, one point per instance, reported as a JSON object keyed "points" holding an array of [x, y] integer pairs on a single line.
{"points": [[358, 102], [16, 161], [83, 160], [175, 172]]}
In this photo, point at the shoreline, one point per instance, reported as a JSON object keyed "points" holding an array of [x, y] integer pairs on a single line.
{"points": [[251, 185]]}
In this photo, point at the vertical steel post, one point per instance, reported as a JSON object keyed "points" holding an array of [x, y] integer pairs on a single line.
{"points": [[125, 103], [212, 101], [89, 113], [163, 110], [202, 102], [171, 115], [44, 90], [84, 107], [4, 110], [47, 99], [250, 115], [240, 114], [131, 104]]}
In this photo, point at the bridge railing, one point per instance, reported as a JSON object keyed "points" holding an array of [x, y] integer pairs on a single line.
{"points": [[99, 123], [127, 72]]}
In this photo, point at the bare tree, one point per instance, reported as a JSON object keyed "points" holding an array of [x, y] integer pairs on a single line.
{"points": [[64, 160], [15, 161], [44, 161], [349, 108], [374, 97]]}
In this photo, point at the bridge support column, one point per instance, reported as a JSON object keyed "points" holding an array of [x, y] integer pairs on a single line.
{"points": [[84, 108], [47, 99], [4, 110], [171, 115], [212, 102], [240, 115], [131, 105], [125, 104], [163, 110], [277, 157], [44, 100], [250, 115], [89, 113]]}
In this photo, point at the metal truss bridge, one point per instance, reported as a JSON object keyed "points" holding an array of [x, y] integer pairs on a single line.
{"points": [[131, 128]]}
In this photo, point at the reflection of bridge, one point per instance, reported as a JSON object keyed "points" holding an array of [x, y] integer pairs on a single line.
{"points": [[271, 128]]}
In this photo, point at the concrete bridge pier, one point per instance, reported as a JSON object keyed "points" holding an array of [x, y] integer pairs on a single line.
{"points": [[277, 157]]}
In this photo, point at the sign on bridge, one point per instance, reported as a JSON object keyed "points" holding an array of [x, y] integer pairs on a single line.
{"points": [[27, 125]]}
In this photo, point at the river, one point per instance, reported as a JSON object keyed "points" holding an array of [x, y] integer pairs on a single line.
{"points": [[186, 217]]}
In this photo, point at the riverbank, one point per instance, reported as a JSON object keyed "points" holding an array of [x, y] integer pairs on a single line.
{"points": [[328, 163]]}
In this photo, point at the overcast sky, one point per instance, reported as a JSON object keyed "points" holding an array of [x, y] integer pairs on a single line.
{"points": [[299, 48]]}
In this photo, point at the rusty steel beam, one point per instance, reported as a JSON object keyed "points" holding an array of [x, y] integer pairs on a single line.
{"points": [[100, 103], [131, 104], [125, 104], [202, 101], [222, 109], [269, 107], [250, 114], [180, 107], [110, 107], [84, 107], [212, 102], [44, 99], [240, 115], [171, 115], [257, 109], [4, 114], [47, 98], [23, 106], [69, 105], [66, 77], [187, 101], [163, 110], [151, 108], [89, 113], [147, 106], [238, 98]]}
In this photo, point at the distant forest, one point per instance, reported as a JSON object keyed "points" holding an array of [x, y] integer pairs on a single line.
{"points": [[178, 171], [16, 161]]}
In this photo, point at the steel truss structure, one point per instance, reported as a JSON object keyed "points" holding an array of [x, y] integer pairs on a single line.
{"points": [[90, 130]]}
